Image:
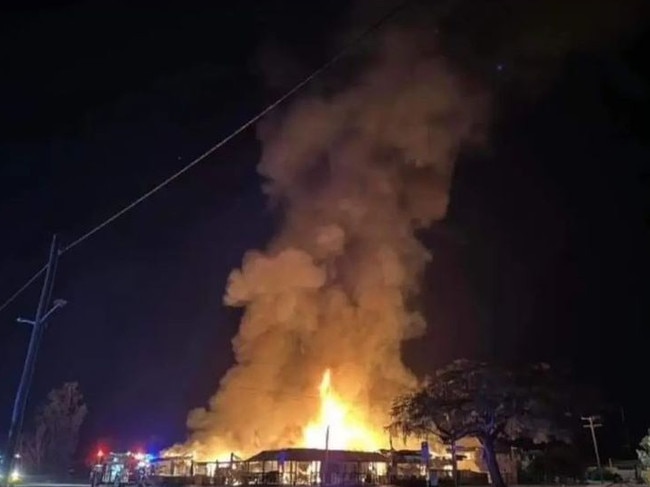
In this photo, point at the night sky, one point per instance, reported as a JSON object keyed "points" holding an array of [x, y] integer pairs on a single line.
{"points": [[544, 254]]}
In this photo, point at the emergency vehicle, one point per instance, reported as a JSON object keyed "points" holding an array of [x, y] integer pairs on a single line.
{"points": [[121, 469]]}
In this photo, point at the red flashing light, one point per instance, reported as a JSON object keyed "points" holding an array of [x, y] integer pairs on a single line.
{"points": [[100, 453]]}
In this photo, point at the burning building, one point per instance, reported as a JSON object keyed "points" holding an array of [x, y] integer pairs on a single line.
{"points": [[356, 171], [313, 466], [291, 466], [308, 466]]}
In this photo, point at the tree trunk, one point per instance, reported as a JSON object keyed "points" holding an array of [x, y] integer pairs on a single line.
{"points": [[491, 462]]}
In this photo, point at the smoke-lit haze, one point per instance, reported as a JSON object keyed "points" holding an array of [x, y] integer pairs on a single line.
{"points": [[356, 174]]}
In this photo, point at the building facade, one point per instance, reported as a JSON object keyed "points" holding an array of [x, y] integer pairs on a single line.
{"points": [[310, 466]]}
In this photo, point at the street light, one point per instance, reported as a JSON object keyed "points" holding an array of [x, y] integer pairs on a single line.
{"points": [[39, 323], [58, 303]]}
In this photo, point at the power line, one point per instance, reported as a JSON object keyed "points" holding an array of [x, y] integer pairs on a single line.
{"points": [[314, 74], [29, 282]]}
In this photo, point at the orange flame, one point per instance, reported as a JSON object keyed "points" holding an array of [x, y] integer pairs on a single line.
{"points": [[347, 428], [339, 425]]}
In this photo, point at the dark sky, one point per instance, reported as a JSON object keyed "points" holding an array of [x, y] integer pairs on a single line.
{"points": [[544, 255]]}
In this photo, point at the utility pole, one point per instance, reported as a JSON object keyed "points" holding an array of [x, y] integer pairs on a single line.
{"points": [[592, 422], [325, 465], [38, 327], [626, 434]]}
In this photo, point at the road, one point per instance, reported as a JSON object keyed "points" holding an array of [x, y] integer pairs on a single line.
{"points": [[47, 484]]}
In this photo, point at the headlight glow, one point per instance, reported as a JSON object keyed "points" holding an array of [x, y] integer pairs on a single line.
{"points": [[15, 476]]}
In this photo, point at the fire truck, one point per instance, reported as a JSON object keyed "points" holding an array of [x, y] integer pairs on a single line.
{"points": [[121, 469]]}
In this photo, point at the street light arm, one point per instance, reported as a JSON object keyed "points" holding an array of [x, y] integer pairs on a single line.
{"points": [[58, 303]]}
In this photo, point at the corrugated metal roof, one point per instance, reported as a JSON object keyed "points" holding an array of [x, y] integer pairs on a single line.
{"points": [[314, 454]]}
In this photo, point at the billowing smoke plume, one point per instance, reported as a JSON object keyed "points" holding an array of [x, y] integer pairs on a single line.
{"points": [[356, 173]]}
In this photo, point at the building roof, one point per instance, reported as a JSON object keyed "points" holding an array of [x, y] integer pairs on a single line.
{"points": [[314, 454], [468, 442]]}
